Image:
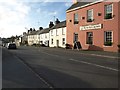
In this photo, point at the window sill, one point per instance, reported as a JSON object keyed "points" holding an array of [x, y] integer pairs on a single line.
{"points": [[107, 46], [89, 22], [88, 44], [108, 19]]}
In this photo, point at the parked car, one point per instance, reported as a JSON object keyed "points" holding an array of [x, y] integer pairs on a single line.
{"points": [[11, 46]]}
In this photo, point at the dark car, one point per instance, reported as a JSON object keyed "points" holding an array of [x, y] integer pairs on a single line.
{"points": [[12, 46]]}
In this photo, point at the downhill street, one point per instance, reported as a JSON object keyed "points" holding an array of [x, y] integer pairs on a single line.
{"points": [[43, 67]]}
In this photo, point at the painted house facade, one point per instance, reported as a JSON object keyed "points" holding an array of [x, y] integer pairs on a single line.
{"points": [[58, 35], [18, 40], [95, 25], [33, 38], [44, 36]]}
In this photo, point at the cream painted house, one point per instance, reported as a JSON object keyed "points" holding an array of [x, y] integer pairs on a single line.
{"points": [[18, 40], [44, 36], [58, 35], [34, 38]]}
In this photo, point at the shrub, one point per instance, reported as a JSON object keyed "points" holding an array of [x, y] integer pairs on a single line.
{"points": [[108, 43]]}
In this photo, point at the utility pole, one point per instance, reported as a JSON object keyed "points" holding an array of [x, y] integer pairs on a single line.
{"points": [[38, 24], [26, 28], [54, 19]]}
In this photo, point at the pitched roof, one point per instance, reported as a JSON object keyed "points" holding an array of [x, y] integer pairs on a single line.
{"points": [[33, 32], [46, 30], [60, 25], [78, 4]]}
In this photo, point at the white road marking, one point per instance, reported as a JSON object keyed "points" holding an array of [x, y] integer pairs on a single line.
{"points": [[104, 56], [94, 65], [97, 65]]}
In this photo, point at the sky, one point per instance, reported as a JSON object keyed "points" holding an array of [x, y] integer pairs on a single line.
{"points": [[17, 16]]}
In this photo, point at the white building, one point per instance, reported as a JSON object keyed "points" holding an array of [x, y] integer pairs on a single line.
{"points": [[18, 40], [44, 36], [58, 35], [33, 38]]}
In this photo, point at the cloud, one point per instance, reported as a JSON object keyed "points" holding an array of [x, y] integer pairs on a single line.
{"points": [[37, 0], [11, 15], [68, 4], [53, 13]]}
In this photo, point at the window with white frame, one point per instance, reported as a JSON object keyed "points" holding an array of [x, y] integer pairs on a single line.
{"points": [[51, 32], [57, 32], [51, 41], [76, 20], [63, 31], [89, 38], [108, 11], [41, 36], [45, 35], [108, 38], [63, 41], [90, 15]]}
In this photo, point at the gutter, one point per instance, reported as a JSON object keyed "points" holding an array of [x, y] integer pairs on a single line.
{"points": [[85, 5]]}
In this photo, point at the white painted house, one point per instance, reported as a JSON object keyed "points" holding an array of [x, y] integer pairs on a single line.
{"points": [[33, 38], [44, 36], [58, 35]]}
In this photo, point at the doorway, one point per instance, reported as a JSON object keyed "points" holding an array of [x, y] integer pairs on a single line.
{"points": [[57, 43]]}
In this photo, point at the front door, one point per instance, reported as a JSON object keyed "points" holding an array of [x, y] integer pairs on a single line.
{"points": [[75, 40], [75, 37], [57, 43]]}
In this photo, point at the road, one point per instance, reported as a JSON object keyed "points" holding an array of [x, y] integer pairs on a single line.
{"points": [[57, 68]]}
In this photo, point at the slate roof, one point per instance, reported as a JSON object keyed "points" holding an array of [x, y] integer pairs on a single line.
{"points": [[46, 30], [33, 32], [60, 25], [78, 4]]}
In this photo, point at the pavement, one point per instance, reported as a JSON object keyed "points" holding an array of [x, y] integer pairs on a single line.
{"points": [[106, 54]]}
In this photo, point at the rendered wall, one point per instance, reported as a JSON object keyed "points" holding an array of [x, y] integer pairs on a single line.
{"points": [[98, 34]]}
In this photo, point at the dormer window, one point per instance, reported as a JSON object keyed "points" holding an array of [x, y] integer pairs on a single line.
{"points": [[90, 15], [108, 11]]}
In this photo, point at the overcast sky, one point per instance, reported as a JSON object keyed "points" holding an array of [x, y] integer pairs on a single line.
{"points": [[16, 16]]}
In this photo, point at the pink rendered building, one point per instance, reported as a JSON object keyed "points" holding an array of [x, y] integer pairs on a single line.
{"points": [[96, 25]]}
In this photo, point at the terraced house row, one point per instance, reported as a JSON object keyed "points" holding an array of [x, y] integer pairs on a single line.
{"points": [[88, 25], [53, 36]]}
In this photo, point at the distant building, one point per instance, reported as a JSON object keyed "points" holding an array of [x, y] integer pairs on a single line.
{"points": [[96, 25], [25, 38], [58, 35], [18, 40], [33, 38]]}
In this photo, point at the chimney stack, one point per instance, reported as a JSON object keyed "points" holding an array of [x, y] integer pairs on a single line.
{"points": [[40, 28], [57, 21], [24, 33], [51, 24], [75, 1]]}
